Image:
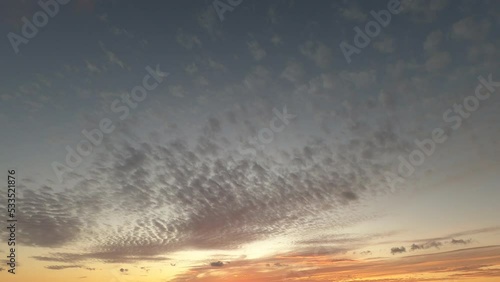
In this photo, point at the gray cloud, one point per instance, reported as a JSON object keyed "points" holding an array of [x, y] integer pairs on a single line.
{"points": [[427, 245], [461, 241], [183, 190], [217, 264], [318, 52], [398, 250], [60, 267]]}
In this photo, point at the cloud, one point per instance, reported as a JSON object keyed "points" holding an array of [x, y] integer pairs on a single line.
{"points": [[92, 68], [353, 13], [120, 31], [427, 245], [217, 264], [213, 126], [141, 198], [191, 68], [433, 244], [483, 51], [215, 65], [416, 247], [177, 193], [470, 29], [187, 41], [5, 97], [61, 267], [349, 195], [398, 250], [387, 101], [177, 91], [276, 40], [471, 263], [46, 230], [459, 234], [423, 11], [116, 255], [258, 77], [209, 22], [318, 52], [433, 40], [461, 241], [256, 50], [438, 61], [112, 57], [293, 72], [272, 16], [385, 45], [361, 79]]}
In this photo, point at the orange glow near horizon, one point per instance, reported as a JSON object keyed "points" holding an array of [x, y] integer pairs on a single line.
{"points": [[474, 264]]}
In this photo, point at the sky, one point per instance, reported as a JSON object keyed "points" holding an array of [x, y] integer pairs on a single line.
{"points": [[244, 140]]}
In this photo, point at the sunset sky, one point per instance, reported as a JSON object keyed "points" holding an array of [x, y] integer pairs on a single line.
{"points": [[236, 140]]}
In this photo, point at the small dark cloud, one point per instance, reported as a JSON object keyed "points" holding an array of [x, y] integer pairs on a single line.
{"points": [[123, 270], [461, 241], [416, 247], [53, 259], [321, 251], [366, 252], [217, 263], [349, 195], [397, 250], [433, 244], [114, 256], [341, 260], [60, 267], [430, 244]]}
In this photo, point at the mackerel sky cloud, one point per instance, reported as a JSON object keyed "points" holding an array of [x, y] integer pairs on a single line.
{"points": [[165, 141]]}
